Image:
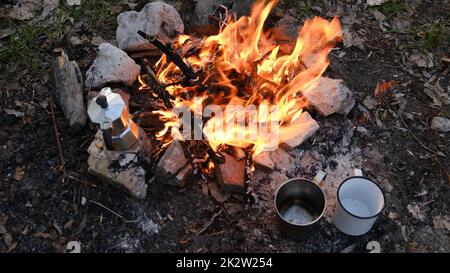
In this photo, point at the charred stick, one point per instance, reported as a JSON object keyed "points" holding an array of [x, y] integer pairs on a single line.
{"points": [[249, 197], [217, 158], [156, 86], [171, 55]]}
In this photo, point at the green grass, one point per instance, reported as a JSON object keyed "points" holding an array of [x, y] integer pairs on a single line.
{"points": [[95, 12], [21, 50], [392, 8], [434, 37]]}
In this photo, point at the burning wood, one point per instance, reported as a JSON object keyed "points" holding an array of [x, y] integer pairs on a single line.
{"points": [[242, 66]]}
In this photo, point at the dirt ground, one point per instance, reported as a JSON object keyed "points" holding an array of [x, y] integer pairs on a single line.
{"points": [[390, 136]]}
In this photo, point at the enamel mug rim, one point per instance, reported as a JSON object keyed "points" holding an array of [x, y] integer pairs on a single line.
{"points": [[309, 181], [369, 180]]}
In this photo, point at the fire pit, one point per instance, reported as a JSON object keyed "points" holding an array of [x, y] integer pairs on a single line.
{"points": [[224, 103]]}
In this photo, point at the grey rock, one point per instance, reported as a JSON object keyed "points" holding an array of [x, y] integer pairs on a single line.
{"points": [[173, 168], [242, 7], [422, 60], [285, 33], [205, 9], [158, 19], [440, 124], [330, 96], [68, 82], [112, 65], [264, 162], [201, 20], [269, 160]]}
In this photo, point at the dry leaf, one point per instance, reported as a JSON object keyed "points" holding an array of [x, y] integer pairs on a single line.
{"points": [[8, 239], [42, 235], [375, 2], [5, 32], [73, 2], [24, 10], [25, 230], [3, 220], [383, 87], [12, 247], [19, 173], [49, 6], [14, 112], [68, 224], [442, 222], [97, 40], [81, 226]]}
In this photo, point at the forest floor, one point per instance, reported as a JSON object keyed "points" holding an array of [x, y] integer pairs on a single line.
{"points": [[41, 213]]}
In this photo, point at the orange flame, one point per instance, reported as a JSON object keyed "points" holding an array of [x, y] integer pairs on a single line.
{"points": [[243, 66]]}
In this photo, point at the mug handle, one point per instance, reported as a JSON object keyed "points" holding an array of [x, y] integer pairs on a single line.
{"points": [[320, 176], [357, 172]]}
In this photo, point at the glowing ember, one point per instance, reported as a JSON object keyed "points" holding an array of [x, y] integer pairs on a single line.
{"points": [[243, 67]]}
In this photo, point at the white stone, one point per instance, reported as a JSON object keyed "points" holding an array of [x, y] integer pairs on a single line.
{"points": [[298, 131], [330, 96], [440, 124], [111, 65], [157, 19], [375, 2], [119, 167]]}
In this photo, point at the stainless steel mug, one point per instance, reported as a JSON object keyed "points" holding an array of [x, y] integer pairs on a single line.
{"points": [[300, 204]]}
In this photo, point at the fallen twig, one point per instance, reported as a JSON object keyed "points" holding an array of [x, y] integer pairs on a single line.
{"points": [[418, 141], [207, 225], [60, 152], [442, 168], [58, 142], [113, 212]]}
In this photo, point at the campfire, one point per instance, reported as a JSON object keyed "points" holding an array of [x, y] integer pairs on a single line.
{"points": [[247, 75], [225, 102]]}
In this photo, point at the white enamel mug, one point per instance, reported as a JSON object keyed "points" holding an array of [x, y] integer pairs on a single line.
{"points": [[360, 201]]}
